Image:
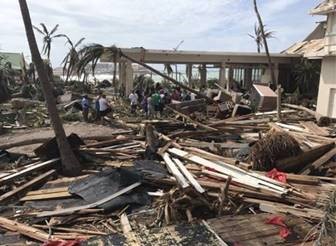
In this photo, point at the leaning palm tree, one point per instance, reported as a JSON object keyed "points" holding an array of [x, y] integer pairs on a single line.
{"points": [[264, 39], [257, 36], [71, 59], [70, 164], [89, 55], [48, 37]]}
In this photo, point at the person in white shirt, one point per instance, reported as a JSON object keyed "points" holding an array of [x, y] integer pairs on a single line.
{"points": [[133, 97], [104, 107]]}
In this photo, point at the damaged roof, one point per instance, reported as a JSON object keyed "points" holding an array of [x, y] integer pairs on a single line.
{"points": [[326, 7]]}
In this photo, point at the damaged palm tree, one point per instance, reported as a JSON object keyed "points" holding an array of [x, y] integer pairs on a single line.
{"points": [[70, 164], [71, 59], [91, 54], [275, 145]]}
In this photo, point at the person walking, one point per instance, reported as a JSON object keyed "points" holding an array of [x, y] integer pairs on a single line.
{"points": [[85, 108], [97, 106], [104, 108], [133, 97]]}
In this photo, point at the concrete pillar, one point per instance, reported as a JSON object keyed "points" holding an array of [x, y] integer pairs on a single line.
{"points": [[248, 78], [203, 71], [267, 78], [230, 80], [128, 78], [222, 75], [189, 73], [122, 77]]}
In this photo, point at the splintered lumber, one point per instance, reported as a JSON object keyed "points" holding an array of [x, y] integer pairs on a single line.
{"points": [[174, 170], [91, 205], [238, 175], [189, 176], [313, 128], [319, 118], [75, 230], [319, 162], [193, 121], [27, 185], [125, 225], [298, 162], [30, 169], [276, 208], [26, 230]]}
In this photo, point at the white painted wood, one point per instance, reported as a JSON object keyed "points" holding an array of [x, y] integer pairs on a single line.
{"points": [[173, 169], [189, 176], [237, 174]]}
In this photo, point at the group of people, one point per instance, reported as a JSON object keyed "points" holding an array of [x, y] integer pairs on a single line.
{"points": [[102, 107], [153, 101]]}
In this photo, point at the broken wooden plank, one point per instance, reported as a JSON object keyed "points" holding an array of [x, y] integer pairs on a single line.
{"points": [[27, 185], [91, 205], [315, 129], [26, 230], [189, 176], [237, 174], [29, 170], [62, 194], [193, 121], [319, 162], [174, 170], [75, 230], [298, 162]]}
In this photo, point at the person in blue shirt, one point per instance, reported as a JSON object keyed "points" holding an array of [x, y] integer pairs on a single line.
{"points": [[85, 108]]}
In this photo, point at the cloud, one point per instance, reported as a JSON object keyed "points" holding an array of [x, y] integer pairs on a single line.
{"points": [[204, 25]]}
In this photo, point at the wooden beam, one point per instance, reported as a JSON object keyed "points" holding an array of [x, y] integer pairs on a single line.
{"points": [[174, 170], [189, 176], [27, 185], [26, 230], [298, 162], [193, 121], [319, 162], [28, 170], [91, 205]]}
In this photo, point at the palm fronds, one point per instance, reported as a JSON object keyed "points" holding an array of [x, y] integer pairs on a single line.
{"points": [[48, 37], [257, 36]]}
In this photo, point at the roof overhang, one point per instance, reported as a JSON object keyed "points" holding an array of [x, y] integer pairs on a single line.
{"points": [[201, 57]]}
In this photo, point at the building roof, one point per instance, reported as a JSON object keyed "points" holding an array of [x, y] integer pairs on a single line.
{"points": [[16, 59], [324, 8], [312, 46]]}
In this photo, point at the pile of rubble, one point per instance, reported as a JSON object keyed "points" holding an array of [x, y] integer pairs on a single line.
{"points": [[244, 180]]}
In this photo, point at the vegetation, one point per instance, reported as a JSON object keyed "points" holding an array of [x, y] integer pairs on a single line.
{"points": [[257, 36], [307, 76], [70, 164], [48, 38], [71, 59], [6, 77]]}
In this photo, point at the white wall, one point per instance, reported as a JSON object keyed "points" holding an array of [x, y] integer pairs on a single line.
{"points": [[326, 102]]}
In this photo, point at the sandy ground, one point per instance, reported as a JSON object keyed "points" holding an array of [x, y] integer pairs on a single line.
{"points": [[80, 128]]}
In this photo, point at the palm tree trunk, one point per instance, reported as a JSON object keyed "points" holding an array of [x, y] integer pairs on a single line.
{"points": [[265, 43], [70, 164]]}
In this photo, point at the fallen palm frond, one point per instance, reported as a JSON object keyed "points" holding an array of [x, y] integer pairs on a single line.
{"points": [[274, 146]]}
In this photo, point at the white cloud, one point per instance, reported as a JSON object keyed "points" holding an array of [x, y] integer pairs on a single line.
{"points": [[204, 25]]}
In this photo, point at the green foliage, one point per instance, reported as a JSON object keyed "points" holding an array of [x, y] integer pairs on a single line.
{"points": [[48, 37], [307, 75]]}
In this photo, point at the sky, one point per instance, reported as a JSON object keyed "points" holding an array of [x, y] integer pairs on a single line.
{"points": [[210, 25]]}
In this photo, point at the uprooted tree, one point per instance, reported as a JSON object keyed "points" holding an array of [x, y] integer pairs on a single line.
{"points": [[70, 164]]}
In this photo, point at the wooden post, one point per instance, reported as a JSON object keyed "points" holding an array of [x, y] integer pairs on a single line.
{"points": [[279, 102]]}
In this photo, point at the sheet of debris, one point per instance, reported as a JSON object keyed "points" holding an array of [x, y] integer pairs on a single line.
{"points": [[190, 179]]}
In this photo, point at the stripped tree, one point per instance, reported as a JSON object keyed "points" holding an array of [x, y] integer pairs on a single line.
{"points": [[264, 39], [70, 164]]}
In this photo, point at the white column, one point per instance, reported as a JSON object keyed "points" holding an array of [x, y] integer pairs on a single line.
{"points": [[222, 75], [128, 78]]}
